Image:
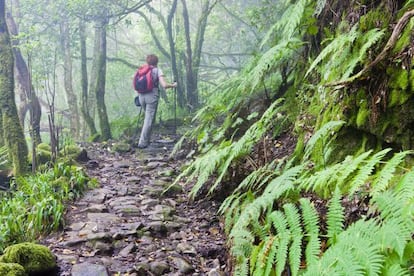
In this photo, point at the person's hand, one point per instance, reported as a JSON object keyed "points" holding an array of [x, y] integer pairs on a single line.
{"points": [[174, 85]]}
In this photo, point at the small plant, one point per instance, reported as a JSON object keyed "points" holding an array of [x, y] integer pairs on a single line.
{"points": [[4, 158], [35, 204]]}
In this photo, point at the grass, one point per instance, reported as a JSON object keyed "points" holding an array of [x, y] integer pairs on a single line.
{"points": [[35, 204]]}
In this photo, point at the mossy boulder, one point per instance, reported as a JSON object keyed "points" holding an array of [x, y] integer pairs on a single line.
{"points": [[72, 153], [43, 153], [12, 269], [121, 147], [35, 258]]}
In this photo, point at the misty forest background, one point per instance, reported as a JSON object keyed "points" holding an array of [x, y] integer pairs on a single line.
{"points": [[299, 114]]}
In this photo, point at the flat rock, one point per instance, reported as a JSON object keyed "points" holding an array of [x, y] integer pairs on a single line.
{"points": [[88, 269]]}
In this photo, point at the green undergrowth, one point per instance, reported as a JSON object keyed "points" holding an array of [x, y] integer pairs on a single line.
{"points": [[343, 202], [299, 216], [35, 204]]}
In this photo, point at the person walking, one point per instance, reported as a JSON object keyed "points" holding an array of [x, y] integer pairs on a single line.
{"points": [[149, 100]]}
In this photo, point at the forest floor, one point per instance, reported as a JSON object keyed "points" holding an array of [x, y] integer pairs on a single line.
{"points": [[128, 226]]}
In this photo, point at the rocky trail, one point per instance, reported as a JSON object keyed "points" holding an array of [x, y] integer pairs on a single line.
{"points": [[127, 226]]}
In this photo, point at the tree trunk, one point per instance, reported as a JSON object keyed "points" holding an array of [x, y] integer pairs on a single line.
{"points": [[11, 129], [85, 107], [190, 76], [29, 100], [100, 32], [192, 95], [180, 97], [67, 75]]}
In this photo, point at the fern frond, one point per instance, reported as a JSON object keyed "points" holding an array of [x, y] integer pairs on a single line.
{"points": [[243, 268], [241, 234], [295, 249], [270, 61], [382, 180], [397, 225], [322, 180], [311, 225], [322, 134], [368, 39], [337, 45], [355, 253], [335, 217], [280, 223], [350, 165], [405, 187], [393, 235], [237, 149], [366, 171], [396, 270], [286, 27]]}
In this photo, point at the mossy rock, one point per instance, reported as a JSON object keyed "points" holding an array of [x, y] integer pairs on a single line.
{"points": [[70, 150], [121, 147], [35, 258], [72, 153], [44, 146], [12, 269]]}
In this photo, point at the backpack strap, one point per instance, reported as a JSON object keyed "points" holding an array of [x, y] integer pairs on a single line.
{"points": [[154, 74]]}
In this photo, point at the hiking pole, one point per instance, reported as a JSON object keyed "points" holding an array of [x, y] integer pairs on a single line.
{"points": [[175, 110], [138, 104]]}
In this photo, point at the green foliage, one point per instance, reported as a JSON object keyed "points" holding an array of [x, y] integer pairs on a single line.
{"points": [[4, 159], [35, 258], [289, 231], [319, 143], [12, 269], [36, 203], [344, 53], [218, 160]]}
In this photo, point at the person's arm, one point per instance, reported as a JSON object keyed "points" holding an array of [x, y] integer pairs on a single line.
{"points": [[166, 85]]}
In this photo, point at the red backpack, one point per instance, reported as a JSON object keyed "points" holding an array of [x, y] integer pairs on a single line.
{"points": [[143, 79]]}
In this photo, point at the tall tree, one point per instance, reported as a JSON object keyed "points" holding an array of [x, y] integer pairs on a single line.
{"points": [[28, 98], [72, 99], [100, 51], [12, 131], [85, 102]]}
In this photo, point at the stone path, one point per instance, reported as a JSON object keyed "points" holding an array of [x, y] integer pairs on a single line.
{"points": [[127, 227]]}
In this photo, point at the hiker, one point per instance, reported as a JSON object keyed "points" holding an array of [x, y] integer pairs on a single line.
{"points": [[149, 100]]}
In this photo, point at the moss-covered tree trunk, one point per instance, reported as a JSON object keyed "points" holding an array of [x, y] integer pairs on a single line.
{"points": [[12, 131], [100, 32], [85, 107], [72, 99], [24, 88]]}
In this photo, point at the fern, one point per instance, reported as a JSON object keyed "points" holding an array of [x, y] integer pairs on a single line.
{"points": [[358, 253], [218, 160], [286, 27], [321, 136], [337, 45], [335, 217], [366, 170], [344, 53], [270, 61], [350, 165], [280, 223], [4, 158], [295, 250], [311, 225], [396, 270], [382, 181]]}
